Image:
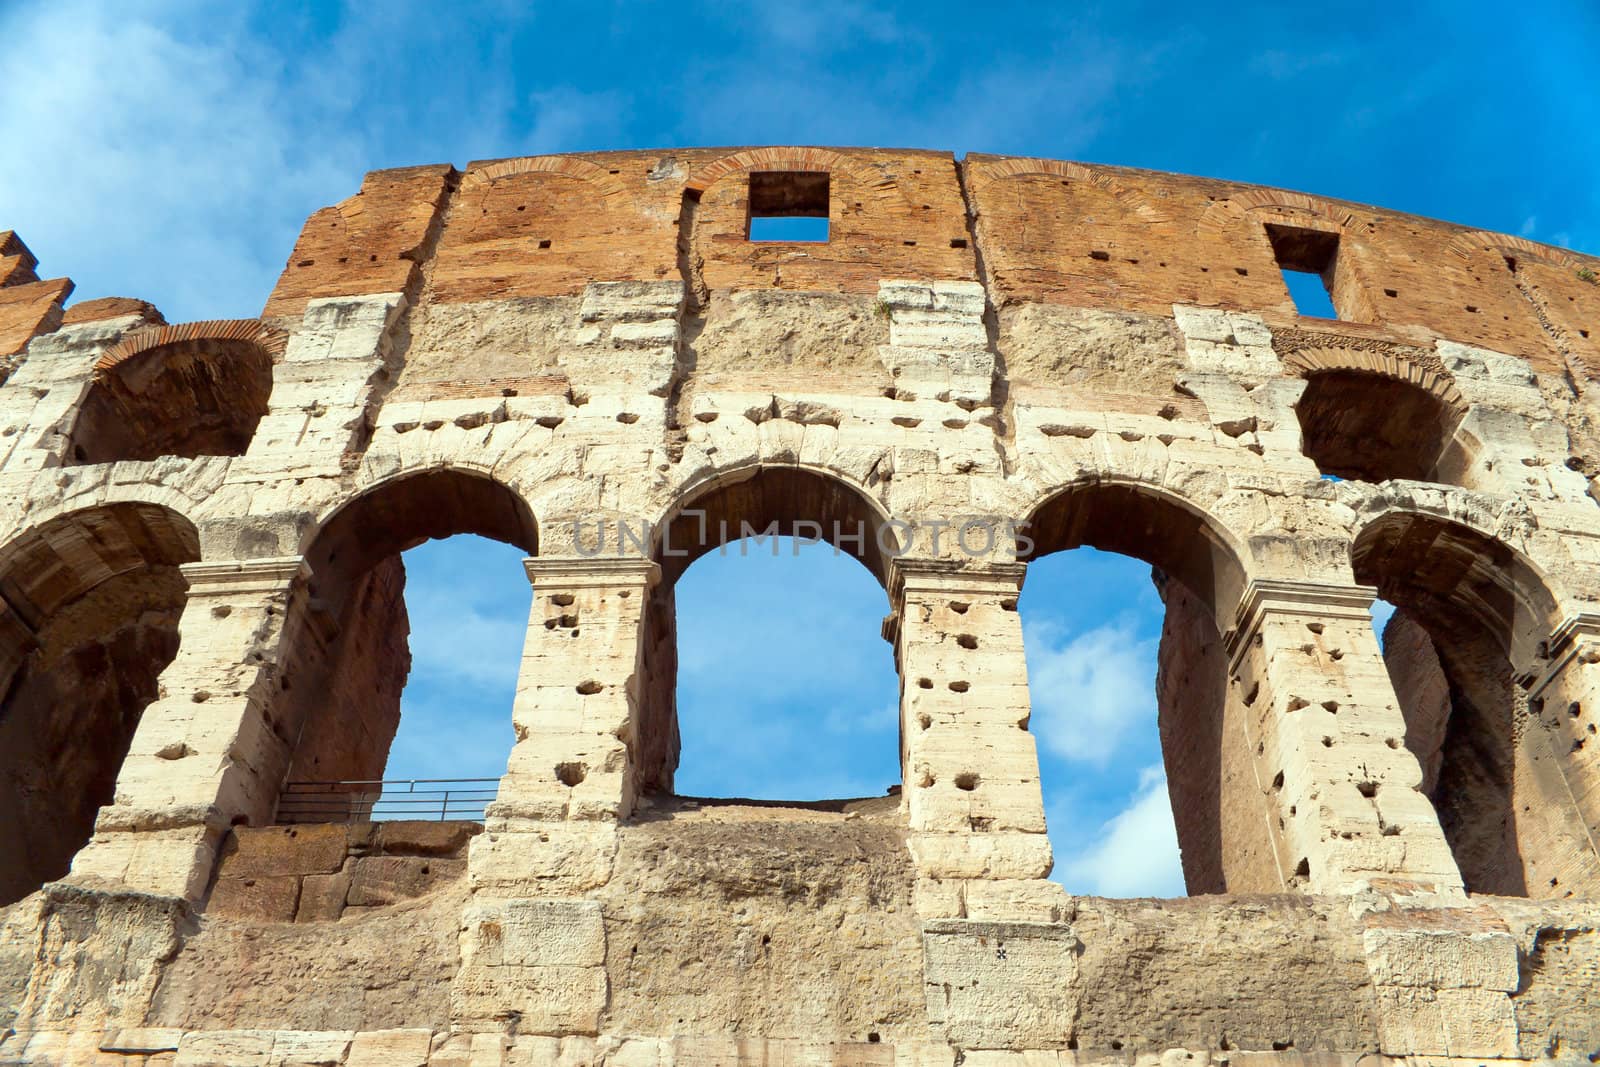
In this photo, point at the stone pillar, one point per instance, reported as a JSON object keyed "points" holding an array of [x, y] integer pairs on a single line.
{"points": [[39, 401], [1562, 763], [205, 756], [325, 384], [531, 945], [1328, 740], [970, 766]]}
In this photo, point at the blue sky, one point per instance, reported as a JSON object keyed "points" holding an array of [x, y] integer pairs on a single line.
{"points": [[172, 150]]}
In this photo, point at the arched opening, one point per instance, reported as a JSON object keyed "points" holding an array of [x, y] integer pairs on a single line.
{"points": [[1373, 427], [194, 390], [344, 691], [89, 611], [1470, 617], [1112, 645], [812, 710]]}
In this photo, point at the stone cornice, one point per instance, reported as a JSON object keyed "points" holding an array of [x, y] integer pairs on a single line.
{"points": [[1568, 642], [592, 570], [1269, 596], [243, 576], [953, 576]]}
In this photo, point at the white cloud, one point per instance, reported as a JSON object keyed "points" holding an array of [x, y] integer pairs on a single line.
{"points": [[858, 718], [173, 150], [569, 120], [157, 164], [1090, 692], [1135, 853]]}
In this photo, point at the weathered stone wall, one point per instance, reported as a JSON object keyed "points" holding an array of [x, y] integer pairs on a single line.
{"points": [[1393, 851]]}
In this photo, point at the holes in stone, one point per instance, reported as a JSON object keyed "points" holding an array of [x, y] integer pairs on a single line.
{"points": [[960, 607], [1367, 789], [1103, 257], [1277, 781], [1315, 627], [627, 418], [967, 781], [958, 242], [200, 696], [924, 683], [909, 244], [544, 244], [590, 688], [562, 600], [1472, 309], [1308, 260], [1241, 272], [1296, 703], [967, 641], [873, 1037], [925, 721], [1331, 706], [960, 687], [570, 774], [788, 206], [221, 612], [1391, 292]]}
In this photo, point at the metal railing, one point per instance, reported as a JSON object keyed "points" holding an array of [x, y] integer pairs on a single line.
{"points": [[376, 800]]}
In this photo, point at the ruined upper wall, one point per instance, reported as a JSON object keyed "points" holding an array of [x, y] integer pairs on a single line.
{"points": [[28, 306], [1044, 231]]}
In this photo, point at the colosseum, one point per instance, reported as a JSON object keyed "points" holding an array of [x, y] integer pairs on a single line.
{"points": [[1389, 847]]}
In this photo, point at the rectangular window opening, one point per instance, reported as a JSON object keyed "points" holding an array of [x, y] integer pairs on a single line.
{"points": [[788, 206], [1308, 260]]}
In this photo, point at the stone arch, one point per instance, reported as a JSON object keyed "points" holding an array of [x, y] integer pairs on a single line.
{"points": [[886, 189], [401, 510], [194, 389], [1473, 619], [605, 182], [1275, 205], [345, 656], [1201, 570], [1466, 244], [1461, 568], [1373, 416], [1151, 523], [89, 608], [541, 226], [777, 497], [785, 494]]}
